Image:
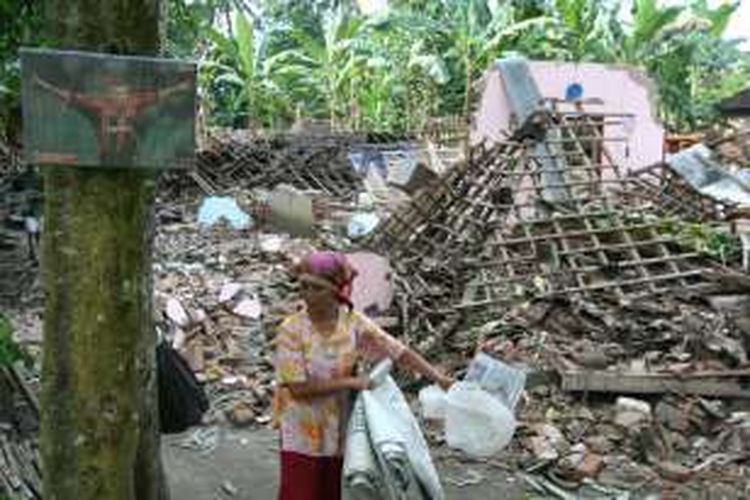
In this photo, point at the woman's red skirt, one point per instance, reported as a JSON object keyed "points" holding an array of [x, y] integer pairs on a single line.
{"points": [[305, 477]]}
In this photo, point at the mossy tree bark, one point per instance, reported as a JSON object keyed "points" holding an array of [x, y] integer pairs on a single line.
{"points": [[100, 438]]}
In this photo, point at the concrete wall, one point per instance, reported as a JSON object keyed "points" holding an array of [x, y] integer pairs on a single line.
{"points": [[622, 90]]}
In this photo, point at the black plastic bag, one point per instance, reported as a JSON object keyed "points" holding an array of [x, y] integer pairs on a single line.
{"points": [[182, 401]]}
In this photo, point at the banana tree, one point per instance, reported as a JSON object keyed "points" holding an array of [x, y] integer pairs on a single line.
{"points": [[690, 61], [240, 75], [718, 18], [399, 82], [484, 29], [473, 32], [323, 66], [582, 31], [649, 22], [695, 70]]}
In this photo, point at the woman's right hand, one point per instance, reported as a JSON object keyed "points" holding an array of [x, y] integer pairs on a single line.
{"points": [[360, 383]]}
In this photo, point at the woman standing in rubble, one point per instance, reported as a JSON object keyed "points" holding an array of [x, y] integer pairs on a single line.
{"points": [[317, 350]]}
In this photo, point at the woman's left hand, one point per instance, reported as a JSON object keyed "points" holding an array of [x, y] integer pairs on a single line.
{"points": [[445, 382]]}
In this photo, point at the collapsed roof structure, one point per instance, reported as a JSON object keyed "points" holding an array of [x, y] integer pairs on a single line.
{"points": [[547, 212]]}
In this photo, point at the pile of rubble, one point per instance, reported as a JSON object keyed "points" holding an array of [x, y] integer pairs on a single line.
{"points": [[644, 396], [240, 159], [19, 426], [510, 225], [538, 250], [542, 252], [219, 296], [732, 144], [20, 199], [10, 161], [540, 257]]}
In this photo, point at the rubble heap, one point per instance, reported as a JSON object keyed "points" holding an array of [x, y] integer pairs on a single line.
{"points": [[733, 145], [19, 424], [530, 220], [694, 185], [20, 195], [219, 297], [537, 250], [10, 161], [671, 194], [541, 252], [236, 159]]}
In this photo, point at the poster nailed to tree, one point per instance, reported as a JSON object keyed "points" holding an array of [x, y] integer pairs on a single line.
{"points": [[103, 110]]}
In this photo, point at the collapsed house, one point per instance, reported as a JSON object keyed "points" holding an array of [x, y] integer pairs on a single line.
{"points": [[532, 218], [546, 244], [619, 103], [544, 250]]}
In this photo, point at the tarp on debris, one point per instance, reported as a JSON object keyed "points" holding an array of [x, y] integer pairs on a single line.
{"points": [[696, 166], [386, 456]]}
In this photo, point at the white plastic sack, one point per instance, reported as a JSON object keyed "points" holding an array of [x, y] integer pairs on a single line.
{"points": [[402, 466], [476, 422], [362, 477], [432, 400]]}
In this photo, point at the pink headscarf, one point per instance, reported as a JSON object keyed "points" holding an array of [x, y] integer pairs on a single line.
{"points": [[333, 268]]}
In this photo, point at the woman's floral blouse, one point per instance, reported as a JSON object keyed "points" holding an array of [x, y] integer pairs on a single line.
{"points": [[317, 426]]}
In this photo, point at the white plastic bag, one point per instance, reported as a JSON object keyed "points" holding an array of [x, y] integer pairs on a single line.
{"points": [[503, 381], [432, 400], [475, 421]]}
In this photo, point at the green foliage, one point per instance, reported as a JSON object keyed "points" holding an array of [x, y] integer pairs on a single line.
{"points": [[719, 17], [10, 351], [20, 24], [583, 32], [695, 70], [715, 242], [188, 22], [267, 62], [420, 59]]}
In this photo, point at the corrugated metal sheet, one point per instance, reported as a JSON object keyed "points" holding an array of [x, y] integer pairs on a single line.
{"points": [[706, 176], [525, 98]]}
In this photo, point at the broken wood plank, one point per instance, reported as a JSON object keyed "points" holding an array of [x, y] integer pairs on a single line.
{"points": [[729, 282], [701, 384]]}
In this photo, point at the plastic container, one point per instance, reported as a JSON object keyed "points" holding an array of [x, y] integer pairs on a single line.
{"points": [[432, 401], [503, 381], [477, 422]]}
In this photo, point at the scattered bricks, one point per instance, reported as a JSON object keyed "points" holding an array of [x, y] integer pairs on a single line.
{"points": [[542, 448], [590, 467], [672, 417], [601, 445]]}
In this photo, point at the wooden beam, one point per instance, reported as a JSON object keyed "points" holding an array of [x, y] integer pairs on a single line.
{"points": [[732, 383]]}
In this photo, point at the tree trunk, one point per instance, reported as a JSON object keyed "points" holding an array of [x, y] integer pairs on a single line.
{"points": [[99, 435]]}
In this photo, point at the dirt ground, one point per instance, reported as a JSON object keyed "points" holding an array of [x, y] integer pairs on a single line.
{"points": [[243, 465]]}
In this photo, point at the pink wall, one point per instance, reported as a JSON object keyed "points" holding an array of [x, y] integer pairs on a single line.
{"points": [[622, 89]]}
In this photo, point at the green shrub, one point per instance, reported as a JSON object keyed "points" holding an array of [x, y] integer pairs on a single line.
{"points": [[10, 351]]}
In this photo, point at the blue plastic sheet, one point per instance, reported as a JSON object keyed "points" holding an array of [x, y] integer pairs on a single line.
{"points": [[215, 208], [362, 224]]}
